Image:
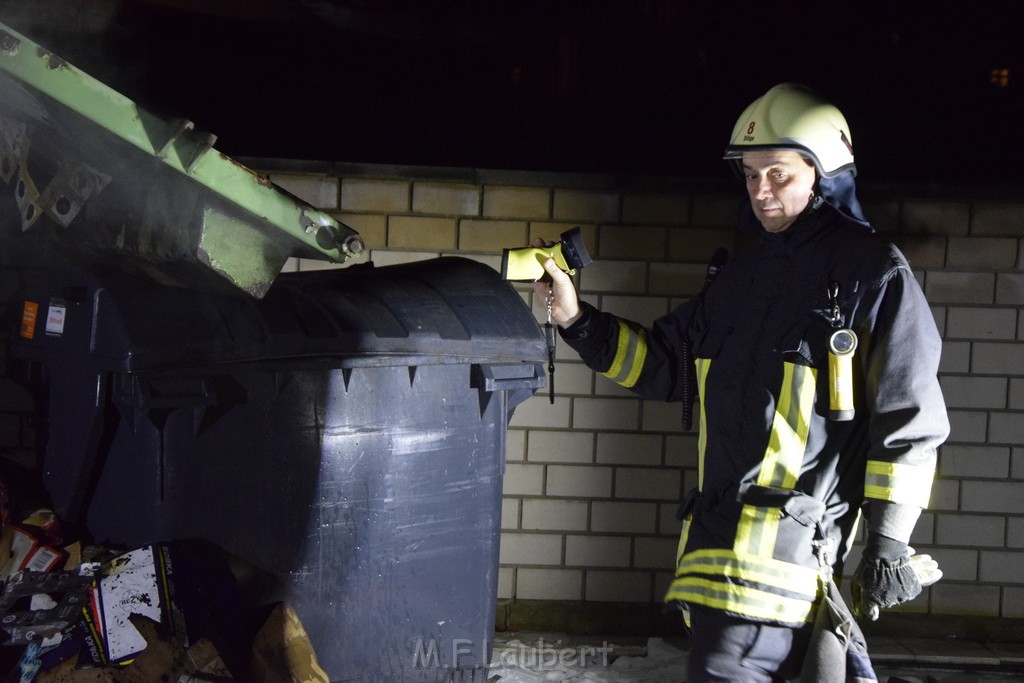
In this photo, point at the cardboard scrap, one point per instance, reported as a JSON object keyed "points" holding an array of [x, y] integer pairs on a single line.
{"points": [[131, 585], [45, 526], [282, 652], [205, 663], [21, 550], [122, 621], [138, 582], [38, 606], [34, 544], [162, 658]]}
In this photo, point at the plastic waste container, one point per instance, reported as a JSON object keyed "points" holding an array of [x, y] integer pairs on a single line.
{"points": [[341, 433], [345, 436]]}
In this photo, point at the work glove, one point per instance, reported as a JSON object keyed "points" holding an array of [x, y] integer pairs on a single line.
{"points": [[889, 574]]}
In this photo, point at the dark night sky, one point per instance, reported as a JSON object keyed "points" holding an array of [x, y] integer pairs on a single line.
{"points": [[614, 86]]}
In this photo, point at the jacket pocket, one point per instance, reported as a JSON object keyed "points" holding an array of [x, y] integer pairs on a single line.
{"points": [[805, 344]]}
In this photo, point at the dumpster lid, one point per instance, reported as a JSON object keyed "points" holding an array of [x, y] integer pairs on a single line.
{"points": [[449, 310], [99, 179]]}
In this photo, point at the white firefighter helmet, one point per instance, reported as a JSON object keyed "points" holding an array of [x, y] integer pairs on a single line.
{"points": [[790, 116]]}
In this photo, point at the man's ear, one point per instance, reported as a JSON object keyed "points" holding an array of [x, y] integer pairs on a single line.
{"points": [[816, 199]]}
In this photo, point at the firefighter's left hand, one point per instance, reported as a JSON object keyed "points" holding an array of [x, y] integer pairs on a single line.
{"points": [[925, 567], [879, 583]]}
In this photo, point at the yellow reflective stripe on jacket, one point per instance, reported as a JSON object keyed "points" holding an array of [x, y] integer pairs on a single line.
{"points": [[790, 427], [630, 354], [757, 587], [897, 482], [684, 534], [766, 571], [780, 468], [703, 365], [743, 600]]}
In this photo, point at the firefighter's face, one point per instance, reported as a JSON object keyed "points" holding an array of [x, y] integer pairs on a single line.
{"points": [[780, 184]]}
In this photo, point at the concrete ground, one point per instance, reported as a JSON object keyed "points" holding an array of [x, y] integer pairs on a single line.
{"points": [[530, 657], [947, 660]]}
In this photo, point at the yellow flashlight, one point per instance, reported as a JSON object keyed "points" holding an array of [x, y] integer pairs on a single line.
{"points": [[841, 346], [526, 264]]}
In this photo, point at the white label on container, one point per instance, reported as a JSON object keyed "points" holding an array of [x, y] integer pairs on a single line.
{"points": [[55, 318]]}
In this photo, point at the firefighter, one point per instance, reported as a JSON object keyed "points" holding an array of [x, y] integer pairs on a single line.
{"points": [[812, 358]]}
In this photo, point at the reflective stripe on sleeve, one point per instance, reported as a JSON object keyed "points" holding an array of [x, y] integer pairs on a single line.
{"points": [[630, 354], [898, 483]]}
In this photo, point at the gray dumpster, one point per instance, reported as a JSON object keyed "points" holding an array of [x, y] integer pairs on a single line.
{"points": [[344, 435], [338, 434]]}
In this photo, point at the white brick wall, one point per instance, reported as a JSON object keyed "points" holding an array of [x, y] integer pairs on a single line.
{"points": [[597, 551], [606, 413], [969, 426], [1015, 532], [609, 586], [970, 530], [319, 191], [956, 357], [1006, 428], [1013, 602], [530, 549], [617, 517], [992, 496], [968, 288], [974, 392], [629, 449], [555, 515], [647, 483], [592, 482], [524, 480], [549, 584], [579, 481], [957, 564], [981, 323], [966, 600], [990, 462]]}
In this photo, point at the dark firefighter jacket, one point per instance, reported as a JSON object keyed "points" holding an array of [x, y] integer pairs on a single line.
{"points": [[777, 477]]}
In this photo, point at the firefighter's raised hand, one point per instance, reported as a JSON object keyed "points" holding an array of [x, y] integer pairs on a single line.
{"points": [[565, 305]]}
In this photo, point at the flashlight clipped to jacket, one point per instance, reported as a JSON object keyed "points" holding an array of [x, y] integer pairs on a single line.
{"points": [[841, 346]]}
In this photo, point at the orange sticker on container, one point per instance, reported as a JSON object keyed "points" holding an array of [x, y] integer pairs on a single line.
{"points": [[29, 313]]}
